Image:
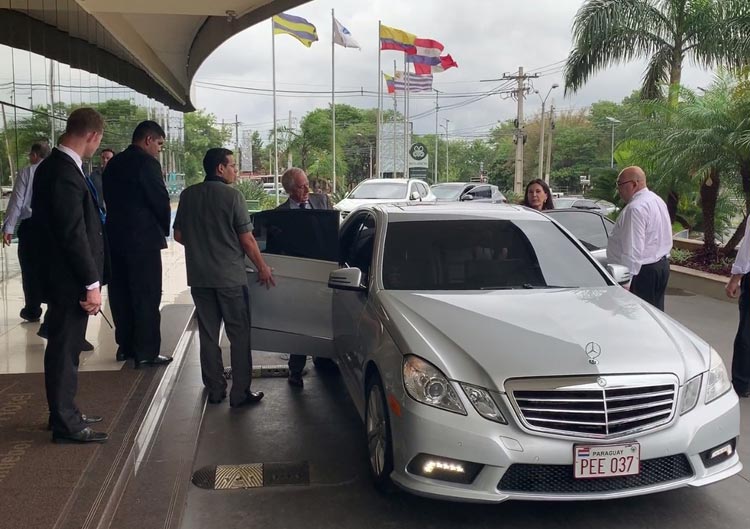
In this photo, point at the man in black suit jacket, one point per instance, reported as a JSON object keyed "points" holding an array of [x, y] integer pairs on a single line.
{"points": [[295, 183], [67, 230], [138, 222]]}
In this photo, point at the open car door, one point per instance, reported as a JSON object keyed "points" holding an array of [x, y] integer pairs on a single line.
{"points": [[301, 246]]}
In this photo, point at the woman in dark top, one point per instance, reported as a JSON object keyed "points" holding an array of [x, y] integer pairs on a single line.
{"points": [[538, 196]]}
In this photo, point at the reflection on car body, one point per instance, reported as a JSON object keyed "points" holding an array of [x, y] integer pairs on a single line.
{"points": [[492, 358]]}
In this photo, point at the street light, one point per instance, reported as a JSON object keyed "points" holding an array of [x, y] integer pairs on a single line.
{"points": [[541, 134], [445, 127], [612, 157]]}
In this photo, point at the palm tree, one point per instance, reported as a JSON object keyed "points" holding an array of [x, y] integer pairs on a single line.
{"points": [[666, 32]]}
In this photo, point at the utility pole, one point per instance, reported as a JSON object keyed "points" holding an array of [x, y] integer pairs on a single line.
{"points": [[289, 143], [520, 92], [446, 149], [238, 156], [549, 145], [437, 110], [370, 160]]}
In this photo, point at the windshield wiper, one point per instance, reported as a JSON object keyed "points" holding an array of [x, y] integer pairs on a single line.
{"points": [[530, 286]]}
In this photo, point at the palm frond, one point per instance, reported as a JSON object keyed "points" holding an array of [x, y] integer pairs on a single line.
{"points": [[657, 74], [607, 32]]}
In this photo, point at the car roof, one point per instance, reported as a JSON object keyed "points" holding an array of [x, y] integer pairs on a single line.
{"points": [[394, 180], [455, 211]]}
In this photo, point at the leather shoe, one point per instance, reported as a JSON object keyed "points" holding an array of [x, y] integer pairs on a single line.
{"points": [[87, 346], [216, 399], [251, 398], [31, 315], [87, 435], [158, 360], [86, 419], [296, 381], [744, 394], [122, 355], [43, 331]]}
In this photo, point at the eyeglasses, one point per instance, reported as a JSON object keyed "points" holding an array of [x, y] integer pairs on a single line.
{"points": [[619, 184]]}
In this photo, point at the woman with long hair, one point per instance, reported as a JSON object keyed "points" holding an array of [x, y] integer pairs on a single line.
{"points": [[538, 196]]}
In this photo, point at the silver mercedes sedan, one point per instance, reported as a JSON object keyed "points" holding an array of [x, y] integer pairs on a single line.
{"points": [[491, 357]]}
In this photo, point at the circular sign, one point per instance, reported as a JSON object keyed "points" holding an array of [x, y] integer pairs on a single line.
{"points": [[418, 151]]}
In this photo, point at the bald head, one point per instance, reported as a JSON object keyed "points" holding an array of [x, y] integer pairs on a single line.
{"points": [[630, 180]]}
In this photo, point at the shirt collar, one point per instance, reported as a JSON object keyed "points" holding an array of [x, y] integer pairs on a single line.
{"points": [[295, 204], [74, 155]]}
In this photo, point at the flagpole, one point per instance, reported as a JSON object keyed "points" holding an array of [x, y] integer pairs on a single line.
{"points": [[406, 119], [275, 139], [395, 111], [333, 100], [437, 110], [380, 102]]}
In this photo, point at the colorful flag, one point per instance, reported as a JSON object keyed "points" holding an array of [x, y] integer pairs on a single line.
{"points": [[397, 40], [417, 83], [426, 65], [428, 47], [342, 37], [297, 27]]}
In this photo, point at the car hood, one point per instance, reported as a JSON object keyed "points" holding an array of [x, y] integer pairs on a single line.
{"points": [[349, 204], [487, 337]]}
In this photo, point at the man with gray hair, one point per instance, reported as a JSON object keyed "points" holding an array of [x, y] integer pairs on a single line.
{"points": [[19, 210], [642, 237], [295, 183]]}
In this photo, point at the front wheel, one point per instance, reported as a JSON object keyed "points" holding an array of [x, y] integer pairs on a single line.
{"points": [[378, 428]]}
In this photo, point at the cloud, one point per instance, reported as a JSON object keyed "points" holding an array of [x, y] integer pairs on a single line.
{"points": [[486, 37]]}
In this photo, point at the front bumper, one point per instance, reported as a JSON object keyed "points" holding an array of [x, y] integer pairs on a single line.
{"points": [[672, 450]]}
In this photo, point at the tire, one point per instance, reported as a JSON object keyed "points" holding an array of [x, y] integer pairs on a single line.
{"points": [[378, 432]]}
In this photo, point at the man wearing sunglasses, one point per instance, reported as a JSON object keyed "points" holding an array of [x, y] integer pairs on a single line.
{"points": [[642, 237]]}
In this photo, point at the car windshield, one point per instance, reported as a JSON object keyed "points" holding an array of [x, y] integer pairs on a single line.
{"points": [[379, 190], [564, 202], [484, 255], [447, 191]]}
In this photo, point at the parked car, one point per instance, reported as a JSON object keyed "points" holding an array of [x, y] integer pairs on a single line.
{"points": [[465, 191], [576, 202], [589, 226], [386, 191], [607, 207], [492, 358]]}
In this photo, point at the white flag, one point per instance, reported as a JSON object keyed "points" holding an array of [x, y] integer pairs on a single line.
{"points": [[342, 37]]}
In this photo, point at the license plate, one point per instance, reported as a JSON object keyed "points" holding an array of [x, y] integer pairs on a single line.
{"points": [[606, 461]]}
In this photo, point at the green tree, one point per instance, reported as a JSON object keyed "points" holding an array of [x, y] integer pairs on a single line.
{"points": [[201, 134], [710, 33]]}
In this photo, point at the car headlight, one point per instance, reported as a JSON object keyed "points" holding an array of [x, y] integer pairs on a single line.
{"points": [[717, 381], [426, 384], [483, 402], [690, 394]]}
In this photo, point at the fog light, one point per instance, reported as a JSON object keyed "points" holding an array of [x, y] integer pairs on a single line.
{"points": [[444, 469], [718, 454]]}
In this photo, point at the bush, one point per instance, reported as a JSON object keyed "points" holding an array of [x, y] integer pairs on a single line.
{"points": [[679, 257]]}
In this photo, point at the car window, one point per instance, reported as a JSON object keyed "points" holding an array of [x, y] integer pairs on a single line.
{"points": [[481, 192], [422, 189], [483, 254], [447, 191], [589, 228], [307, 233], [357, 244], [585, 204], [379, 190]]}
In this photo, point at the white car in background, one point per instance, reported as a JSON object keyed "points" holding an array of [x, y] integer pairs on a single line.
{"points": [[386, 191]]}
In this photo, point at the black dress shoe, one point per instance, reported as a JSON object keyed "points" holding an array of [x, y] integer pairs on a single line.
{"points": [[87, 435], [87, 346], [216, 399], [251, 398], [31, 315], [158, 360], [296, 381], [43, 331], [86, 419]]}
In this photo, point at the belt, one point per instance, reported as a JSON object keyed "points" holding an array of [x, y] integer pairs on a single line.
{"points": [[655, 262]]}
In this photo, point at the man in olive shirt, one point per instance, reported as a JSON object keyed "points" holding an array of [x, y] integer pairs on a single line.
{"points": [[213, 224]]}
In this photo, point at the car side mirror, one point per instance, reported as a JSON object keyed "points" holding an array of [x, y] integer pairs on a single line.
{"points": [[346, 279], [415, 196], [467, 197], [620, 273]]}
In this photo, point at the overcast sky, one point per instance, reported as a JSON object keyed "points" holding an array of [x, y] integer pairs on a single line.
{"points": [[487, 38]]}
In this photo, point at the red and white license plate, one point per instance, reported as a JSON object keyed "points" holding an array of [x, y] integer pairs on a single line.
{"points": [[606, 461]]}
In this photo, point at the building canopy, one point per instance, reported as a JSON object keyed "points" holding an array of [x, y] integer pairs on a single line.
{"points": [[154, 47]]}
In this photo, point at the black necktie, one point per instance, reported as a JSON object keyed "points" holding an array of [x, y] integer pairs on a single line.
{"points": [[303, 205]]}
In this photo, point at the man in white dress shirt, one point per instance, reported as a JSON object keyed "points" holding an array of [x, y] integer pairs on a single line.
{"points": [[739, 285], [642, 237], [19, 211]]}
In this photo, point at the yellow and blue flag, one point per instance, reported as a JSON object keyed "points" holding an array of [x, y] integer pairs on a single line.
{"points": [[297, 27]]}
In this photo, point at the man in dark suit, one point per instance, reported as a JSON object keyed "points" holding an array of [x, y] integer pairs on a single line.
{"points": [[96, 175], [67, 230], [138, 219], [295, 183]]}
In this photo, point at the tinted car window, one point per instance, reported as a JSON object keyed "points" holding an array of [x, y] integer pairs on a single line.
{"points": [[587, 227], [447, 191], [307, 233], [481, 192], [483, 254]]}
